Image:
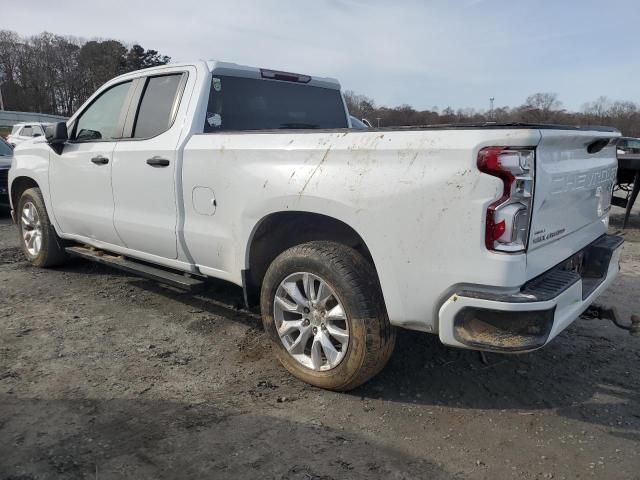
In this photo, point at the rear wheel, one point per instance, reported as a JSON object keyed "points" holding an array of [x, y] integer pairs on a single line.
{"points": [[38, 239], [323, 309]]}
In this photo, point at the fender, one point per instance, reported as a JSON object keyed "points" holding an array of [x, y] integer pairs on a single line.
{"points": [[33, 163], [254, 217]]}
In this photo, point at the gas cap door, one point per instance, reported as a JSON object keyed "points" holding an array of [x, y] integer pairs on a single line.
{"points": [[204, 201]]}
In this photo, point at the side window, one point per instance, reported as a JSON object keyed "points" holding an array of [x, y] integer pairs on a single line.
{"points": [[158, 105], [100, 121], [27, 131], [37, 130]]}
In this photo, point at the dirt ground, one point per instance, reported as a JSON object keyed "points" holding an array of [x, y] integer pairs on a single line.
{"points": [[104, 375]]}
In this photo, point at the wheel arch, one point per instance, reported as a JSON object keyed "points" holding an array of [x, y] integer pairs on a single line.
{"points": [[18, 186], [279, 231]]}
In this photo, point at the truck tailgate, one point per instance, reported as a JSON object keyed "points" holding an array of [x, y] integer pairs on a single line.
{"points": [[572, 194]]}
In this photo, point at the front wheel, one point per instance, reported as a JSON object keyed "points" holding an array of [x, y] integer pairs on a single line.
{"points": [[323, 309], [38, 239]]}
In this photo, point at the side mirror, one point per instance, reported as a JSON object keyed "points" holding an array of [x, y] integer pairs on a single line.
{"points": [[56, 135], [35, 135]]}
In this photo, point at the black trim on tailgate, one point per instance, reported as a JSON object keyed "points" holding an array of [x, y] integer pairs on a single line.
{"points": [[590, 265], [596, 262]]}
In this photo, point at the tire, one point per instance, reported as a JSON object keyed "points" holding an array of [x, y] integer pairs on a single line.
{"points": [[51, 251], [353, 282]]}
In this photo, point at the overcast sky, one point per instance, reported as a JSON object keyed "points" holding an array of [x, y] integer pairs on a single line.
{"points": [[433, 52]]}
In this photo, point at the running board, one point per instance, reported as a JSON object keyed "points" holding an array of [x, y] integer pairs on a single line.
{"points": [[173, 279]]}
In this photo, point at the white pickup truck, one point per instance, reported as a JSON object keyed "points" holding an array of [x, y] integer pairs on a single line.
{"points": [[493, 237]]}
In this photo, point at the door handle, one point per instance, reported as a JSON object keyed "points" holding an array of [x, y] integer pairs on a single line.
{"points": [[158, 162], [100, 160]]}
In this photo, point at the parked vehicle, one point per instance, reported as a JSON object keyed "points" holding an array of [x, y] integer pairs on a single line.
{"points": [[6, 154], [628, 145], [494, 237], [359, 124], [25, 131]]}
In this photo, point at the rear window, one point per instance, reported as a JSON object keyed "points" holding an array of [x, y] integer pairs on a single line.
{"points": [[237, 104]]}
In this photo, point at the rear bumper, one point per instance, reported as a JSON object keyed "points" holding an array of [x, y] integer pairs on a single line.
{"points": [[485, 319]]}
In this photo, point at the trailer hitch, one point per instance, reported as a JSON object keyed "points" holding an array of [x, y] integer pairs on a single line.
{"points": [[609, 312]]}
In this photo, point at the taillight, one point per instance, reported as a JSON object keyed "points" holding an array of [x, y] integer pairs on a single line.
{"points": [[507, 224]]}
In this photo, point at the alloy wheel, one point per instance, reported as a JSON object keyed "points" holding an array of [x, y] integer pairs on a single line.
{"points": [[311, 321], [31, 228]]}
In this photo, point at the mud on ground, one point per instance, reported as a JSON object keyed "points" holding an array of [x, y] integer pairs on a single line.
{"points": [[104, 375]]}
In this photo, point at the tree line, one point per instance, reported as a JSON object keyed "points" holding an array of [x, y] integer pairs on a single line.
{"points": [[537, 108], [55, 74]]}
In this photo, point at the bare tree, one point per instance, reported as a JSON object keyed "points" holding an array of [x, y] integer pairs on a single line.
{"points": [[50, 73], [537, 108], [543, 101], [359, 105]]}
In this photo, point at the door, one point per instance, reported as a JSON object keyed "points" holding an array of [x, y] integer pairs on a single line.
{"points": [[144, 172], [80, 176]]}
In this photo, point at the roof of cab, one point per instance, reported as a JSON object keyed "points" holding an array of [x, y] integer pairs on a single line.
{"points": [[236, 70]]}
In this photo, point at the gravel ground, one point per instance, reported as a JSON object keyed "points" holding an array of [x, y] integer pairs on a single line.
{"points": [[104, 375]]}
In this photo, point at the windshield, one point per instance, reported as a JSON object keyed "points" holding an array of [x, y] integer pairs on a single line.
{"points": [[237, 103], [5, 149]]}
